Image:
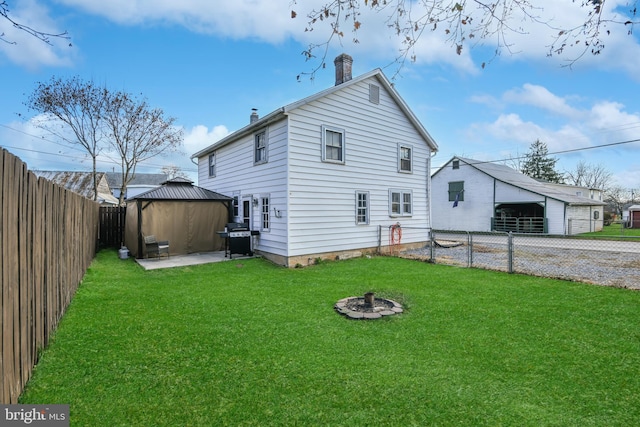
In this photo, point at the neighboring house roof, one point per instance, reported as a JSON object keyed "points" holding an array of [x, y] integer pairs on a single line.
{"points": [[634, 208], [517, 179], [180, 189], [283, 111], [115, 179], [81, 183]]}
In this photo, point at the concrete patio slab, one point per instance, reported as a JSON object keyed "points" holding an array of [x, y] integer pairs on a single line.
{"points": [[185, 260]]}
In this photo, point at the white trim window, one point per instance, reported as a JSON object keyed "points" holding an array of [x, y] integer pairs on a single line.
{"points": [[362, 207], [260, 147], [400, 203], [405, 158], [333, 145], [236, 204], [212, 164], [264, 213]]}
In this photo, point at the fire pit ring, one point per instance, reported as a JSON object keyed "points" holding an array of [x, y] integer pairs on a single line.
{"points": [[367, 307]]}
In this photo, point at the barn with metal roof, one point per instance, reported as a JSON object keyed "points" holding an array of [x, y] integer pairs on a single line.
{"points": [[186, 215]]}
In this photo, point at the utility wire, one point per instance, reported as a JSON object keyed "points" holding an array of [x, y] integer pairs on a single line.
{"points": [[573, 150]]}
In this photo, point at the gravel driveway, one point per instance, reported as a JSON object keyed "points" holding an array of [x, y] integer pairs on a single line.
{"points": [[608, 267]]}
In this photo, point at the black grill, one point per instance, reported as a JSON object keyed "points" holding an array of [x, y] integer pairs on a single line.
{"points": [[239, 238]]}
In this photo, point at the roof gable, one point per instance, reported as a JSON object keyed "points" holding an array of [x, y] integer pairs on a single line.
{"points": [[81, 183], [511, 176], [278, 114]]}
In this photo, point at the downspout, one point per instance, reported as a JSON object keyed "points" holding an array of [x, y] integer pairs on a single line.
{"points": [[492, 226], [429, 194]]}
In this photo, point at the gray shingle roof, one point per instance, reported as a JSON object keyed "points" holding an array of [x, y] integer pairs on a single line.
{"points": [[115, 179], [511, 176], [81, 183], [180, 189]]}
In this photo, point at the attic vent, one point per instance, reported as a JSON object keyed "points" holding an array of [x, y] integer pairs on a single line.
{"points": [[374, 94]]}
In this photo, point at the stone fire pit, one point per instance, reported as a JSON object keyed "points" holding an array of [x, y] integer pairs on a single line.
{"points": [[367, 307]]}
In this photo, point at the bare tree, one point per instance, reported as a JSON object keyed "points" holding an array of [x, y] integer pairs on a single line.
{"points": [[618, 197], [72, 105], [173, 171], [138, 133], [40, 35], [99, 119], [464, 22], [589, 175]]}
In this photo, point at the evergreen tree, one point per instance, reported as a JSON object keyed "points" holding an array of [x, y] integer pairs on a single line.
{"points": [[538, 165]]}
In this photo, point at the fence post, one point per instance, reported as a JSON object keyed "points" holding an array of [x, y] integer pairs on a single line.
{"points": [[510, 252], [470, 251]]}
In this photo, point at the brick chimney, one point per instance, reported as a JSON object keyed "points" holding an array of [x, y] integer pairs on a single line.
{"points": [[254, 116], [343, 68]]}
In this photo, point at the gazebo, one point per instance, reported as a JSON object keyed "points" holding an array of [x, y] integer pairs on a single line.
{"points": [[186, 215]]}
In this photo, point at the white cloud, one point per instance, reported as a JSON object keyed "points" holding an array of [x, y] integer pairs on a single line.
{"points": [[271, 22], [28, 51], [540, 97], [200, 137]]}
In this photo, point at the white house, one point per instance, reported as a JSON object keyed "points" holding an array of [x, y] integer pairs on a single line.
{"points": [[328, 175], [140, 183], [82, 183], [472, 195]]}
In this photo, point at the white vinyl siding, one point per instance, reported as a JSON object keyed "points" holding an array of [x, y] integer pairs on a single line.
{"points": [[321, 205], [236, 177], [311, 199]]}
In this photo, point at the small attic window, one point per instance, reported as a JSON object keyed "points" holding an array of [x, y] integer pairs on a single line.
{"points": [[374, 94], [456, 164]]}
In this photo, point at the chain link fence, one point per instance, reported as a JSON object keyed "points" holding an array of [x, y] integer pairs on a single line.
{"points": [[602, 260]]}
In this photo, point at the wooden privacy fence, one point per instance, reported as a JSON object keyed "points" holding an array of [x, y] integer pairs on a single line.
{"points": [[112, 220], [48, 238]]}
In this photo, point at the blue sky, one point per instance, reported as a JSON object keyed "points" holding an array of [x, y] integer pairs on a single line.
{"points": [[208, 63]]}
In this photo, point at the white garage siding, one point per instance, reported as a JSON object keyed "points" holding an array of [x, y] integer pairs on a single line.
{"points": [[583, 219], [474, 212]]}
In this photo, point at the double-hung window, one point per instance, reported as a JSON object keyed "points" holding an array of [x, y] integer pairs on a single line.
{"points": [[212, 164], [405, 158], [362, 207], [260, 147], [333, 144], [400, 202]]}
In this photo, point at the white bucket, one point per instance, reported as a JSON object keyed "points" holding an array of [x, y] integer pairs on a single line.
{"points": [[123, 253]]}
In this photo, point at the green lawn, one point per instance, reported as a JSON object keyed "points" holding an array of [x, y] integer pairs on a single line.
{"points": [[614, 230], [247, 343]]}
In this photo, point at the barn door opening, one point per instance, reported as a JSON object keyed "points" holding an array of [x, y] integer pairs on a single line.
{"points": [[519, 218]]}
